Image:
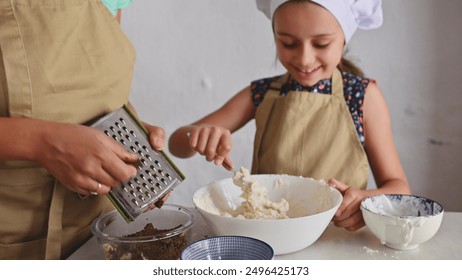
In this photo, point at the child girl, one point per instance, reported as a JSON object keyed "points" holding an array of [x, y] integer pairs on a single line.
{"points": [[322, 119]]}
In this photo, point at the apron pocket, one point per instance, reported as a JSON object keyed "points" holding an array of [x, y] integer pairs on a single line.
{"points": [[25, 197]]}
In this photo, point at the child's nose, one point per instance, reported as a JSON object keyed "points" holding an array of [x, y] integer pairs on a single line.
{"points": [[306, 56]]}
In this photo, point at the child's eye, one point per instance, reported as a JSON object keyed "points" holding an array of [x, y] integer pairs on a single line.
{"points": [[321, 46], [287, 41], [289, 45]]}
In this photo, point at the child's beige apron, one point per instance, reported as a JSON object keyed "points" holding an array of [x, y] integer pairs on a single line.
{"points": [[310, 135], [65, 61]]}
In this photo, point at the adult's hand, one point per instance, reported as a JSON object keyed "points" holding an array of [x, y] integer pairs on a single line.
{"points": [[156, 136], [83, 158]]}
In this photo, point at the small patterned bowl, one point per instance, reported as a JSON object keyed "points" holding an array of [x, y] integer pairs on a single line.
{"points": [[402, 222], [228, 248]]}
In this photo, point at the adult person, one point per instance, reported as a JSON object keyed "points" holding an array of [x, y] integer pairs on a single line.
{"points": [[62, 64]]}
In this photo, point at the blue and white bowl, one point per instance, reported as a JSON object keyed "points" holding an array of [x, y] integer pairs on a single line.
{"points": [[228, 248], [402, 221]]}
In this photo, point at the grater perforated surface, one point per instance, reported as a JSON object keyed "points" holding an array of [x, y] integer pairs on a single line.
{"points": [[156, 176]]}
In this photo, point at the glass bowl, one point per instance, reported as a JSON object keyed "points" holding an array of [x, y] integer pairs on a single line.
{"points": [[158, 234]]}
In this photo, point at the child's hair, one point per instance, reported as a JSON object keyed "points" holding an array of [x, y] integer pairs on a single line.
{"points": [[345, 65]]}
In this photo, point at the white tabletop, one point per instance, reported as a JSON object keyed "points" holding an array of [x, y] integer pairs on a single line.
{"points": [[337, 243]]}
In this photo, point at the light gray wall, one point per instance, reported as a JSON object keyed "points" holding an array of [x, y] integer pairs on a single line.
{"points": [[194, 55]]}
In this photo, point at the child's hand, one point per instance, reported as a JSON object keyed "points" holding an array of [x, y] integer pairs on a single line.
{"points": [[349, 214], [213, 142]]}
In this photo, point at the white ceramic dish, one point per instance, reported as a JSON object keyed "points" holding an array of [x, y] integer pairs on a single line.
{"points": [[312, 206], [402, 222]]}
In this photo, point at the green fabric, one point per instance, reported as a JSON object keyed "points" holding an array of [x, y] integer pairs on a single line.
{"points": [[114, 5]]}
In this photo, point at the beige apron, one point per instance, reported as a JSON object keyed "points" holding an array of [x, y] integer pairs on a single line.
{"points": [[308, 134], [65, 61]]}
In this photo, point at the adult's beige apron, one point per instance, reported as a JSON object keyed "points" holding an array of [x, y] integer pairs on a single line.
{"points": [[309, 134], [66, 61]]}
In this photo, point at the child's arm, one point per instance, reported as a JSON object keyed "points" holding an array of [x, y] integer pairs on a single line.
{"points": [[211, 135], [383, 159], [379, 144]]}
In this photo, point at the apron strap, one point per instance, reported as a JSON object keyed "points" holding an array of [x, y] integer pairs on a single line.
{"points": [[277, 84], [337, 84], [54, 236], [263, 112]]}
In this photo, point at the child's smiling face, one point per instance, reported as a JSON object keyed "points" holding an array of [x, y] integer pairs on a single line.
{"points": [[309, 41]]}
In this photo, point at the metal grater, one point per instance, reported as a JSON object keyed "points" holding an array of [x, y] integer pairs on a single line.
{"points": [[157, 175]]}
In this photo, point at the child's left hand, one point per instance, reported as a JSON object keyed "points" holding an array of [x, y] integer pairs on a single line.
{"points": [[349, 214]]}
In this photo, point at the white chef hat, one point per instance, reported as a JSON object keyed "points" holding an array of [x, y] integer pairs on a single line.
{"points": [[351, 14]]}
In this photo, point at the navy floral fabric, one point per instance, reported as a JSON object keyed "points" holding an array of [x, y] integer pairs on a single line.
{"points": [[354, 88]]}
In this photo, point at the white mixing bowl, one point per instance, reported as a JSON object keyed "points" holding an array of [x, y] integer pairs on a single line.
{"points": [[312, 205]]}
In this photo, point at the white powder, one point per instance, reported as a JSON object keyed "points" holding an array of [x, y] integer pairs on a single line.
{"points": [[377, 253], [370, 251]]}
